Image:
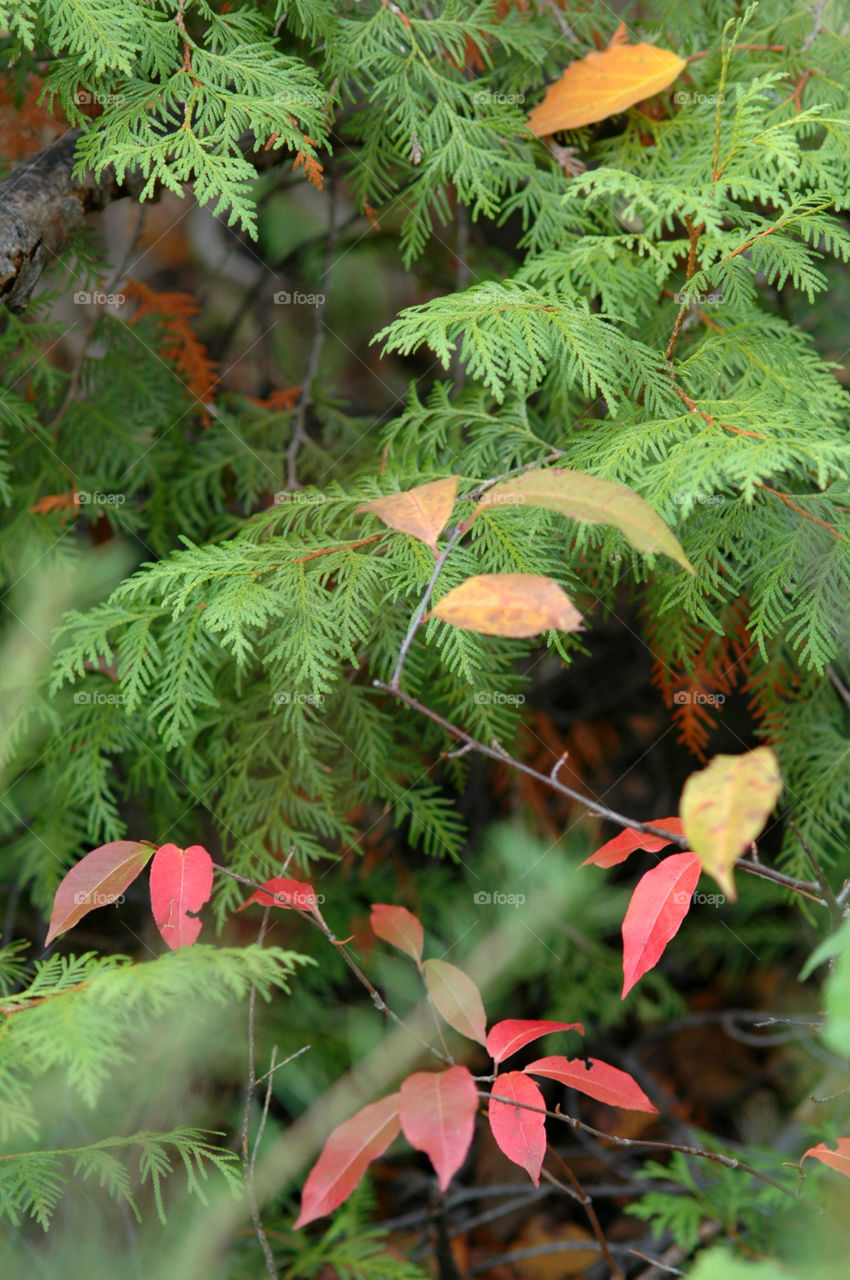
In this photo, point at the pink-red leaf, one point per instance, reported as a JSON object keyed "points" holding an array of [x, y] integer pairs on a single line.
{"points": [[297, 895], [345, 1157], [181, 881], [437, 1113], [399, 927], [658, 906], [618, 849], [456, 998], [519, 1133], [513, 1034], [596, 1079], [96, 881], [838, 1159]]}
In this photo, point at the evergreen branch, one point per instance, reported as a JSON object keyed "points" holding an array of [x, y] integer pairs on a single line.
{"points": [[694, 233], [806, 514]]}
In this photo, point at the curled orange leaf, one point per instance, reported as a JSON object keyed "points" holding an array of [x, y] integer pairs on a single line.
{"points": [[602, 84]]}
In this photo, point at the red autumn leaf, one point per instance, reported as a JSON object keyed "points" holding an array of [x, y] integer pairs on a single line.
{"points": [[298, 895], [437, 1113], [96, 881], [839, 1159], [658, 906], [399, 927], [511, 1035], [181, 881], [618, 849], [456, 998], [345, 1156], [519, 1133], [596, 1079]]}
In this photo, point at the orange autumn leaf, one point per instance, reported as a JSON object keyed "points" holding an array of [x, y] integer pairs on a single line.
{"points": [[422, 512], [604, 83], [25, 126], [312, 169], [282, 398], [508, 604], [180, 344], [53, 502]]}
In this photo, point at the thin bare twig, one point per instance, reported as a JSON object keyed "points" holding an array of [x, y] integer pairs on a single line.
{"points": [[729, 1162], [305, 400], [76, 372], [817, 14], [341, 949], [499, 753], [247, 1161], [586, 1202], [836, 910], [454, 537]]}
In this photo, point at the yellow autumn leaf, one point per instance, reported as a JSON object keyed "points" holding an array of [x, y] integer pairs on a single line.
{"points": [[508, 604], [604, 83], [422, 512], [725, 806], [592, 501]]}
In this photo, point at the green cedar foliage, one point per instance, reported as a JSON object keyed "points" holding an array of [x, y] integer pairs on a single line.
{"points": [[224, 689]]}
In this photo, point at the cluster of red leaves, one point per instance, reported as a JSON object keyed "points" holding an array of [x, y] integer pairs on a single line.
{"points": [[180, 883], [180, 344], [435, 1110]]}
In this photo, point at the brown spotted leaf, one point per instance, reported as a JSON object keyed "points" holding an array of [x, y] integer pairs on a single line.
{"points": [[422, 512], [604, 83], [508, 604], [725, 806], [591, 501]]}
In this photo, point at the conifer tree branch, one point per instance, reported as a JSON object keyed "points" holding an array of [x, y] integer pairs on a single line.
{"points": [[584, 1199]]}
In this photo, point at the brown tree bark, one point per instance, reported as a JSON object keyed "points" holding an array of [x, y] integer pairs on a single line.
{"points": [[41, 206]]}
